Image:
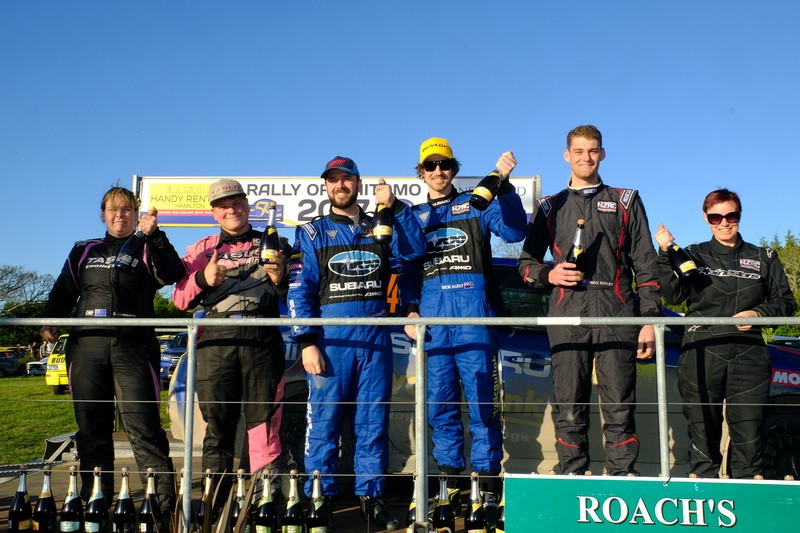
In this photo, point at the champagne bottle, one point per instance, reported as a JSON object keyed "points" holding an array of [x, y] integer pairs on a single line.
{"points": [[150, 511], [124, 516], [384, 221], [292, 519], [95, 518], [444, 520], [238, 501], [411, 515], [475, 519], [486, 190], [205, 513], [20, 513], [71, 518], [500, 527], [266, 516], [270, 240], [131, 252], [682, 263], [317, 519], [576, 252], [44, 514]]}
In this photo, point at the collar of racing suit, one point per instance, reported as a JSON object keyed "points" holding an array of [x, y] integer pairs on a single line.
{"points": [[444, 200], [347, 221], [721, 249], [586, 191], [227, 238]]}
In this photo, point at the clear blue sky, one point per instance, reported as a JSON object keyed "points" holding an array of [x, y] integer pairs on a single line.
{"points": [[689, 95]]}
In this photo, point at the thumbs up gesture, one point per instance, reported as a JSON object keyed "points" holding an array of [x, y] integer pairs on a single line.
{"points": [[148, 222], [214, 273]]}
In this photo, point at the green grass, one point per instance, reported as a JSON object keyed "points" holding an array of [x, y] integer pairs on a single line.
{"points": [[31, 413]]}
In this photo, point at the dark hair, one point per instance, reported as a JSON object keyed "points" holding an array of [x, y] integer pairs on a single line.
{"points": [[721, 195], [456, 167], [588, 132], [119, 193]]}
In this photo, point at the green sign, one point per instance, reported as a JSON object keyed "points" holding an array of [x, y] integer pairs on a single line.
{"points": [[577, 503]]}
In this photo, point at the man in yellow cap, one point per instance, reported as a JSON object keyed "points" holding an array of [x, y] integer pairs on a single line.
{"points": [[455, 279]]}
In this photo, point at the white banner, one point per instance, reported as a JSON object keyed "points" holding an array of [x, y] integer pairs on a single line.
{"points": [[183, 201]]}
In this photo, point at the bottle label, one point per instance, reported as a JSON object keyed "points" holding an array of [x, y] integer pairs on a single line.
{"points": [[443, 530], [69, 525], [291, 529], [481, 530], [269, 255], [483, 192], [91, 527], [263, 529], [22, 525], [384, 231], [318, 529], [688, 266]]}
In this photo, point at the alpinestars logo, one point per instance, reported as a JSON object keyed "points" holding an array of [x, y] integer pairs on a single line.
{"points": [[354, 263], [445, 239]]}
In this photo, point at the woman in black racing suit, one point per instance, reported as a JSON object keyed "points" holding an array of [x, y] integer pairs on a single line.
{"points": [[105, 363], [729, 364]]}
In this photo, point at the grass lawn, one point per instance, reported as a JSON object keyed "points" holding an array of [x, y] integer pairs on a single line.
{"points": [[31, 413]]}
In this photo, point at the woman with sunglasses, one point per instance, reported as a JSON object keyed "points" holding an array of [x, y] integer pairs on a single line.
{"points": [[725, 363]]}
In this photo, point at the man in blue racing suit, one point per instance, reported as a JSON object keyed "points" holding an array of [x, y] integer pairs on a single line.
{"points": [[339, 269], [455, 279]]}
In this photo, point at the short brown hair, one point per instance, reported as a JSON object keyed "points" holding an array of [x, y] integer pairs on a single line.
{"points": [[120, 194], [721, 195], [587, 132]]}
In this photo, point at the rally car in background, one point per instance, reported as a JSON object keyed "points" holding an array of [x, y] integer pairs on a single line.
{"points": [[529, 434]]}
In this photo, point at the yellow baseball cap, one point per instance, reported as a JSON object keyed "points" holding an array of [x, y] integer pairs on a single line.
{"points": [[435, 146]]}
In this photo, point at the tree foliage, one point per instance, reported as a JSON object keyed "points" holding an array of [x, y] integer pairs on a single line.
{"points": [[789, 253]]}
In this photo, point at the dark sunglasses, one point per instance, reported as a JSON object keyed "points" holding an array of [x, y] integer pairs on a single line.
{"points": [[444, 164], [716, 218]]}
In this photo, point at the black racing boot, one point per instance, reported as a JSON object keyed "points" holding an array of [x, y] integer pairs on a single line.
{"points": [[374, 511]]}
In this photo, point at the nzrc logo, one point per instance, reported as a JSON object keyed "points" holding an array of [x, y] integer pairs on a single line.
{"points": [[354, 264], [445, 239]]}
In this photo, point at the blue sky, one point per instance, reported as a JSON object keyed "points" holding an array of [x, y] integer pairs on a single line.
{"points": [[689, 95]]}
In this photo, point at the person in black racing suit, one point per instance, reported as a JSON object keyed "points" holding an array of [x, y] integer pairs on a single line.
{"points": [[617, 243], [122, 362], [725, 363]]}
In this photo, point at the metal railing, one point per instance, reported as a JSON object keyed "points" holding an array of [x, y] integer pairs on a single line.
{"points": [[420, 415]]}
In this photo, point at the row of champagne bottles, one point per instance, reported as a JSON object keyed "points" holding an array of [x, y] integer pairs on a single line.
{"points": [[682, 263], [44, 516], [264, 517]]}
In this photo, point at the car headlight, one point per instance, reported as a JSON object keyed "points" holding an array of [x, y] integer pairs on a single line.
{"points": [[53, 367], [166, 358]]}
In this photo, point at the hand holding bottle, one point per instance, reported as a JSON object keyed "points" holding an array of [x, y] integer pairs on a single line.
{"points": [[384, 194], [663, 237], [148, 222], [505, 164], [565, 275]]}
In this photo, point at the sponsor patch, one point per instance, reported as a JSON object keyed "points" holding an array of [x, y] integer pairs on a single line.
{"points": [[354, 263], [752, 264], [97, 312], [332, 233], [310, 230], [446, 239], [460, 209], [625, 197], [424, 216], [606, 206], [546, 205]]}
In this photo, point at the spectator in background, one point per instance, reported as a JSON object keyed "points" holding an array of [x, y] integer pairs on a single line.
{"points": [[617, 243], [108, 363], [727, 365], [236, 365]]}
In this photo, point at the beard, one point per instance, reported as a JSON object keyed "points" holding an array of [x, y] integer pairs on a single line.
{"points": [[344, 203]]}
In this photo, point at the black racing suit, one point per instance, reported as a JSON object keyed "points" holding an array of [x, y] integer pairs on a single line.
{"points": [[720, 363], [618, 243], [118, 362]]}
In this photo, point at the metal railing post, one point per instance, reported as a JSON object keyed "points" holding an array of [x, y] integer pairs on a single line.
{"points": [[188, 423], [421, 431], [661, 390]]}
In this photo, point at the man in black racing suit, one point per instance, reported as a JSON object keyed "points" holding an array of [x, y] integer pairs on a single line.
{"points": [[617, 243], [105, 363]]}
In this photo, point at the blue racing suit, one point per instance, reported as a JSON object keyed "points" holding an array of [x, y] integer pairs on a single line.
{"points": [[338, 270], [455, 279]]}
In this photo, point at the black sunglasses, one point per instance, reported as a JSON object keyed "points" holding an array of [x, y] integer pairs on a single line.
{"points": [[444, 164], [716, 218]]}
